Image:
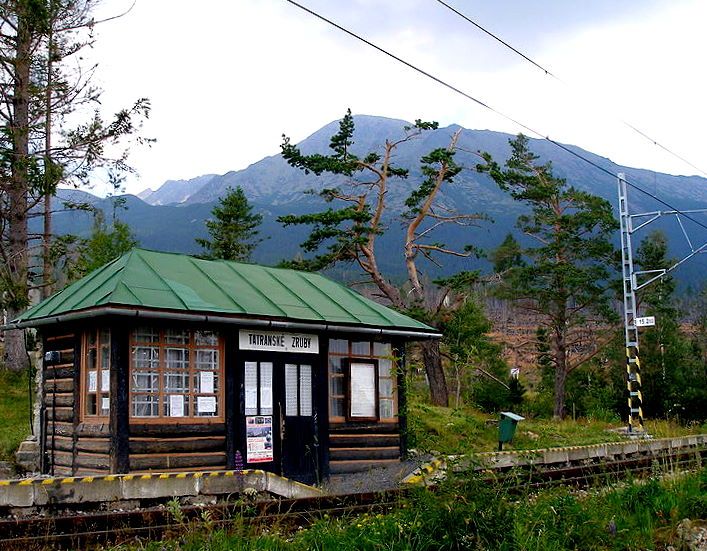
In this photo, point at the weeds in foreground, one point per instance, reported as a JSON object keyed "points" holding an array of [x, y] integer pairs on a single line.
{"points": [[465, 513]]}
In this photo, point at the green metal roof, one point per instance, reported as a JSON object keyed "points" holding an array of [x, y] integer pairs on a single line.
{"points": [[157, 281]]}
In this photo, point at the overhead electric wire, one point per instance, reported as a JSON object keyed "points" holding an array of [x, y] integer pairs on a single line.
{"points": [[550, 74], [492, 109]]}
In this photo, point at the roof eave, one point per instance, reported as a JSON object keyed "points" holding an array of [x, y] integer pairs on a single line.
{"points": [[145, 313]]}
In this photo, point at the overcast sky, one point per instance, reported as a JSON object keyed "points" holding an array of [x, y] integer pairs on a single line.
{"points": [[226, 79]]}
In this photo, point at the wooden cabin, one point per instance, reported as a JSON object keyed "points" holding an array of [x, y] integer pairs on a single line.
{"points": [[165, 362]]}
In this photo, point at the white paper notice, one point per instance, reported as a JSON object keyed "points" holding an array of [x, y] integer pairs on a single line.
{"points": [[92, 381], [363, 390], [206, 404], [176, 405], [250, 382], [105, 380], [105, 404], [206, 382], [265, 387]]}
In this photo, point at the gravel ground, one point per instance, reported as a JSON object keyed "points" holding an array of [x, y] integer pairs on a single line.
{"points": [[373, 480]]}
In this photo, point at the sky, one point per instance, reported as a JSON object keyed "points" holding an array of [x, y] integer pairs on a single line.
{"points": [[228, 78]]}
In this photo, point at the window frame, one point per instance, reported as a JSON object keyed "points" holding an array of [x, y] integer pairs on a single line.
{"points": [[192, 372], [345, 359], [84, 373]]}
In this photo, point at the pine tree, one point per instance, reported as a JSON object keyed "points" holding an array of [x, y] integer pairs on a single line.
{"points": [[233, 229], [566, 279]]}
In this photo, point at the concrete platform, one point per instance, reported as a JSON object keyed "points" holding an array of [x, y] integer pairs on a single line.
{"points": [[38, 492]]}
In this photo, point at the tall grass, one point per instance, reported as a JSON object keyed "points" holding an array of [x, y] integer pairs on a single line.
{"points": [[466, 513], [14, 411]]}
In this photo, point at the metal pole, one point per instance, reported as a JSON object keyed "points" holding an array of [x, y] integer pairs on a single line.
{"points": [[633, 364]]}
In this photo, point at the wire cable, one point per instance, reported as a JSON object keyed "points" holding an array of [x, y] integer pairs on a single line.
{"points": [[490, 108], [550, 74]]}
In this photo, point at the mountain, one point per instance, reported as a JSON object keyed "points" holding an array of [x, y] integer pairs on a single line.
{"points": [[175, 191], [275, 188]]}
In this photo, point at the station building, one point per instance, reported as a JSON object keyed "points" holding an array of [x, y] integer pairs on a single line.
{"points": [[166, 362]]}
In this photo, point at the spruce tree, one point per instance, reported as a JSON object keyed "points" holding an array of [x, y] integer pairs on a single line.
{"points": [[233, 228]]}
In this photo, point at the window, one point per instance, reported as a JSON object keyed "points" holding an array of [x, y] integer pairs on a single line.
{"points": [[176, 375], [350, 375], [95, 375]]}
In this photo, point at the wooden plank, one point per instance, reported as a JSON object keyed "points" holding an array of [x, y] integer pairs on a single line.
{"points": [[180, 470], [184, 461], [361, 428], [65, 414], [60, 399], [177, 445], [59, 429], [63, 373], [60, 337], [93, 445], [60, 385], [360, 440], [93, 429], [349, 454], [92, 460], [177, 429], [62, 443], [63, 459]]}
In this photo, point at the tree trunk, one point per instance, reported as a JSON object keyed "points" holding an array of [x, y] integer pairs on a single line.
{"points": [[560, 354], [17, 288], [432, 358]]}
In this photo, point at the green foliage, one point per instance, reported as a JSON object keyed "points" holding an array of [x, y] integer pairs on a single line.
{"points": [[14, 411], [566, 278], [105, 244], [233, 230]]}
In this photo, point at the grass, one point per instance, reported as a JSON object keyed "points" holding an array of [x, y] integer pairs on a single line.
{"points": [[14, 412], [451, 431], [466, 513]]}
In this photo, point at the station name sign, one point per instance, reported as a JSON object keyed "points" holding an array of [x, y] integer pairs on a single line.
{"points": [[272, 341]]}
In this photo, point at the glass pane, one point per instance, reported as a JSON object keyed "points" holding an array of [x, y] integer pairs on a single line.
{"points": [[337, 407], [384, 367], [91, 404], [176, 382], [290, 390], [145, 380], [177, 358], [386, 409], [91, 338], [146, 357], [339, 346], [145, 406], [385, 388], [92, 358], [206, 359], [146, 334], [335, 364], [265, 388], [176, 336], [382, 349], [105, 337], [105, 357], [336, 386], [361, 348], [305, 390], [205, 338]]}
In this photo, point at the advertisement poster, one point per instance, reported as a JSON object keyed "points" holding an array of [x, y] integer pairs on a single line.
{"points": [[258, 431]]}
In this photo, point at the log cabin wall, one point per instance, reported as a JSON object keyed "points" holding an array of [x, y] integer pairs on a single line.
{"points": [[58, 402], [359, 445], [165, 443]]}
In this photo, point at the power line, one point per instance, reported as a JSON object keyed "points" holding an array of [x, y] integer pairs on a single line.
{"points": [[487, 106], [550, 74]]}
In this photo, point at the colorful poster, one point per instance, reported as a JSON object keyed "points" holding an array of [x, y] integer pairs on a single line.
{"points": [[259, 438]]}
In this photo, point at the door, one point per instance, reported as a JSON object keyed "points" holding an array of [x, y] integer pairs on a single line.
{"points": [[300, 446], [278, 424]]}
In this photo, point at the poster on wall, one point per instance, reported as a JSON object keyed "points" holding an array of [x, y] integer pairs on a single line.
{"points": [[363, 390], [258, 431]]}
